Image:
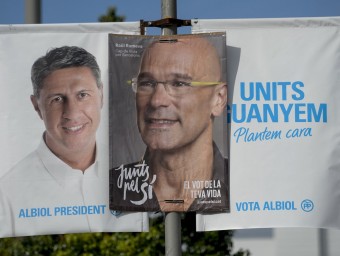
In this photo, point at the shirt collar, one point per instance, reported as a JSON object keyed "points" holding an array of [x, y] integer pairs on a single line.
{"points": [[59, 170]]}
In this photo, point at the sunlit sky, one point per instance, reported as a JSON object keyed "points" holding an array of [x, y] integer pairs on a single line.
{"points": [[83, 11]]}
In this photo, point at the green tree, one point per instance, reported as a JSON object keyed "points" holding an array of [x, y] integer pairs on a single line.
{"points": [[104, 244], [111, 16]]}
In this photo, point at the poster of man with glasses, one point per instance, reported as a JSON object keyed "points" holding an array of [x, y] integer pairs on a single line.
{"points": [[168, 146]]}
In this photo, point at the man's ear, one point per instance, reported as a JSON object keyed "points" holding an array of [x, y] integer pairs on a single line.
{"points": [[34, 101], [221, 98]]}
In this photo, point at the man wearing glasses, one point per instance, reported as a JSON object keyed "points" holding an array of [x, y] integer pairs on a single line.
{"points": [[179, 92]]}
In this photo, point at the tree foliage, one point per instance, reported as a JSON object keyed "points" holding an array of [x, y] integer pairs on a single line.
{"points": [[111, 16], [104, 244]]}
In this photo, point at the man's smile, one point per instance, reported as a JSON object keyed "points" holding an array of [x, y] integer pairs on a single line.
{"points": [[160, 122], [74, 129]]}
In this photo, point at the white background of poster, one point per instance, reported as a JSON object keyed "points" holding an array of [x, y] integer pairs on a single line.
{"points": [[20, 127], [289, 170]]}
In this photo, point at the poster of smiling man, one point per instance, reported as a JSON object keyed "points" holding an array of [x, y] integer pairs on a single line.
{"points": [[54, 131], [168, 95]]}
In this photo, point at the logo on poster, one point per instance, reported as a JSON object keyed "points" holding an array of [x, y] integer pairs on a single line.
{"points": [[307, 205], [136, 180]]}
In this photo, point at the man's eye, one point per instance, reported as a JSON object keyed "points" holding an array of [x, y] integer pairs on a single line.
{"points": [[149, 83], [57, 99], [179, 84], [83, 95]]}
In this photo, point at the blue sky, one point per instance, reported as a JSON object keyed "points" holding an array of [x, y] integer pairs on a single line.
{"points": [[79, 11]]}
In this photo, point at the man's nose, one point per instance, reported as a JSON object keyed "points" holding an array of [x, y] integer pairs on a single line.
{"points": [[160, 96], [71, 109]]}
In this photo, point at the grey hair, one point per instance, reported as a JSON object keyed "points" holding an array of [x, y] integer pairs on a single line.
{"points": [[59, 58]]}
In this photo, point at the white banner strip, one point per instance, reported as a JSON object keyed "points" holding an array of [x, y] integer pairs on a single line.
{"points": [[284, 132]]}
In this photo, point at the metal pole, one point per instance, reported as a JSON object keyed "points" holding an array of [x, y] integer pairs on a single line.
{"points": [[32, 11], [173, 234], [323, 242], [172, 219], [169, 10]]}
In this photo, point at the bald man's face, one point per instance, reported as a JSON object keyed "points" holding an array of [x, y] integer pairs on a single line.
{"points": [[170, 122]]}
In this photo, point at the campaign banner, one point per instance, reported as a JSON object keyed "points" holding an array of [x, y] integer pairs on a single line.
{"points": [[167, 98], [284, 123], [54, 148]]}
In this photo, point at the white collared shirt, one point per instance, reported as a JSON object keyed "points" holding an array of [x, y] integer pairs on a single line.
{"points": [[43, 195]]}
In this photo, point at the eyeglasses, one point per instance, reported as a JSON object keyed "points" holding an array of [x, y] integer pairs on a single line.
{"points": [[172, 87]]}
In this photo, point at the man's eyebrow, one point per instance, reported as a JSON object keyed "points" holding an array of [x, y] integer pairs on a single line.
{"points": [[181, 76], [144, 75], [85, 90], [178, 76], [52, 95]]}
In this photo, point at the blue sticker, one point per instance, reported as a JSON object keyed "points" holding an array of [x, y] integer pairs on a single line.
{"points": [[307, 205], [115, 213]]}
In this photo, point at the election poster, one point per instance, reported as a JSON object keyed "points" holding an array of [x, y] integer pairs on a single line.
{"points": [[284, 123], [168, 148], [54, 148]]}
